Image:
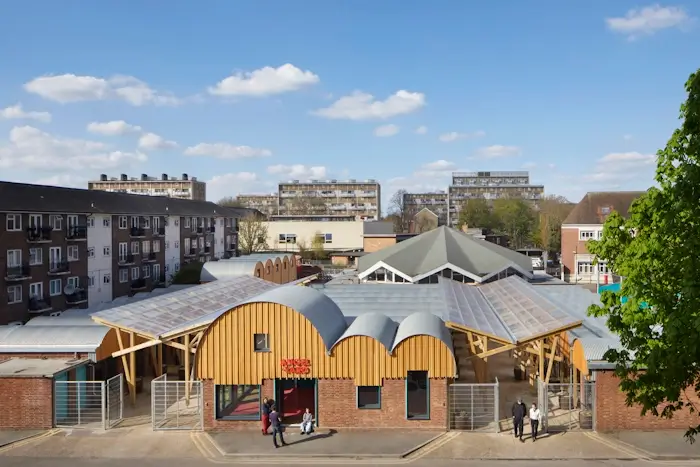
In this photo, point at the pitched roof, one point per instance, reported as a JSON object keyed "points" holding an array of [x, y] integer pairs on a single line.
{"points": [[23, 197], [595, 207], [442, 246]]}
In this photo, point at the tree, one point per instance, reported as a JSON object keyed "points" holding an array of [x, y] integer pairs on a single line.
{"points": [[230, 202], [425, 221], [517, 220], [252, 234], [400, 212], [656, 251], [317, 246], [553, 211], [477, 213], [189, 273]]}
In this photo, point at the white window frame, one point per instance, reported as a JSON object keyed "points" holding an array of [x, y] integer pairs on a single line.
{"points": [[147, 222], [146, 271], [146, 247], [90, 222], [91, 281], [123, 276], [123, 223], [107, 277], [38, 258], [187, 222], [36, 221], [156, 222], [91, 252], [106, 251], [585, 268], [56, 221], [134, 248], [71, 220], [74, 281], [585, 235], [17, 255], [57, 291], [135, 222], [36, 286], [135, 273], [14, 291], [156, 246], [73, 253], [176, 245], [188, 244], [123, 251], [156, 270], [106, 222], [16, 222]]}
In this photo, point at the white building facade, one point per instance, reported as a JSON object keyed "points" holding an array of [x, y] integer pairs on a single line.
{"points": [[172, 247], [99, 239], [335, 236]]}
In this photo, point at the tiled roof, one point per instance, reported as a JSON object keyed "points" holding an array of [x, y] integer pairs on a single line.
{"points": [[596, 206]]}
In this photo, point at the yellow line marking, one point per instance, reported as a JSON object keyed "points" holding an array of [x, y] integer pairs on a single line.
{"points": [[26, 441]]}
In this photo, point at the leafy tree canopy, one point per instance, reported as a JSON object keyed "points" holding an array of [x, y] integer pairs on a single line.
{"points": [[657, 251], [477, 213]]}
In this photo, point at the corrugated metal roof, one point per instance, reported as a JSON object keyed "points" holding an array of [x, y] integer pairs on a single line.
{"points": [[375, 325], [69, 320], [594, 348], [51, 339], [321, 311], [467, 306], [423, 324]]}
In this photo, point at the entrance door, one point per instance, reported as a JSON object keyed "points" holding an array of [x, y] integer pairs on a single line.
{"points": [[294, 396]]}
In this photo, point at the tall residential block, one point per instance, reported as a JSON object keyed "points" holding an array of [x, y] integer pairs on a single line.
{"points": [[185, 187]]}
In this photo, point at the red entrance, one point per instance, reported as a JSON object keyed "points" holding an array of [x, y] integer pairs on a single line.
{"points": [[294, 396]]}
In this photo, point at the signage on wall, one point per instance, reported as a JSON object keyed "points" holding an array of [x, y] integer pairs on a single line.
{"points": [[296, 366]]}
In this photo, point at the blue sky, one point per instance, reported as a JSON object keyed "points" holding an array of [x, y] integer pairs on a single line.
{"points": [[244, 94]]}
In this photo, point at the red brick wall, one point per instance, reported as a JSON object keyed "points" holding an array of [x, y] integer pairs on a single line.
{"points": [[27, 403], [337, 407], [612, 414], [569, 243]]}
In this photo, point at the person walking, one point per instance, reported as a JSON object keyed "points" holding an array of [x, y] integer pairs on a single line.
{"points": [[265, 415], [534, 420], [519, 412], [276, 422]]}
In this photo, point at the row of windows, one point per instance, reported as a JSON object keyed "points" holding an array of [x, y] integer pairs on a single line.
{"points": [[36, 289], [36, 256], [587, 267], [318, 238], [13, 222], [590, 234]]}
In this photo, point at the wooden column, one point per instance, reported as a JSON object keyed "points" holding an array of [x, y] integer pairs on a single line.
{"points": [[574, 387], [187, 369], [540, 360], [159, 359], [132, 368]]}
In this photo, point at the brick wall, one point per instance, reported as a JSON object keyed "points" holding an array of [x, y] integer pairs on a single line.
{"points": [[569, 243], [372, 244], [27, 403], [612, 414]]}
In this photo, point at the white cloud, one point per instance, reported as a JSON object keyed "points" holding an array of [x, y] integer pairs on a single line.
{"points": [[265, 82], [226, 151], [496, 151], [648, 20], [362, 106], [31, 149], [620, 167], [74, 88], [154, 142], [299, 171], [386, 130], [113, 128], [454, 136], [231, 184], [439, 168], [421, 130], [66, 180], [17, 112]]}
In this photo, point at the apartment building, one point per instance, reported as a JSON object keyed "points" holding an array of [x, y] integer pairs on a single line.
{"points": [[584, 223], [436, 202], [63, 248], [358, 198], [185, 187]]}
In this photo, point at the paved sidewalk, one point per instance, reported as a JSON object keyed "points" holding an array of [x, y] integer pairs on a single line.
{"points": [[324, 443], [13, 436], [657, 445], [504, 446]]}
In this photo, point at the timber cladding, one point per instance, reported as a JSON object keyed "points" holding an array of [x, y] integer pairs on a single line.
{"points": [[226, 352]]}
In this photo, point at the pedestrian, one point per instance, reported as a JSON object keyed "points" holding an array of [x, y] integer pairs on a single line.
{"points": [[534, 421], [265, 415], [276, 422], [519, 412], [307, 422]]}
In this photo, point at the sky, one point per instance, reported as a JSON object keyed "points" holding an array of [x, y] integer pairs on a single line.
{"points": [[246, 94]]}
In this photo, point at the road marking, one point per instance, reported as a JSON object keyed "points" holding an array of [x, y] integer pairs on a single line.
{"points": [[31, 439], [630, 452]]}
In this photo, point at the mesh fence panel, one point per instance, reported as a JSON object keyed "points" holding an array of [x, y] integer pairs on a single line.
{"points": [[474, 407], [175, 404], [79, 404]]}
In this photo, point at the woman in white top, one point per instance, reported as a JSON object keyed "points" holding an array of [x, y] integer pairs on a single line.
{"points": [[534, 420]]}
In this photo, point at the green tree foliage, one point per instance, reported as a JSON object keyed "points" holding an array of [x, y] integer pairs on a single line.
{"points": [[317, 246], [189, 273], [657, 251], [517, 219], [553, 211], [478, 213]]}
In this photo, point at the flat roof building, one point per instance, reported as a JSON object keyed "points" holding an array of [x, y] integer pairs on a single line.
{"points": [[185, 187]]}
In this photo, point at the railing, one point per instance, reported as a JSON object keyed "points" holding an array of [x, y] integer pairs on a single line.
{"points": [[79, 296], [159, 232], [126, 259], [200, 230], [191, 252], [39, 234], [138, 284], [149, 257], [76, 232], [39, 304], [137, 232], [17, 272], [59, 267]]}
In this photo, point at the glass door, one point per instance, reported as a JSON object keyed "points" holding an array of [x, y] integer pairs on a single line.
{"points": [[54, 256]]}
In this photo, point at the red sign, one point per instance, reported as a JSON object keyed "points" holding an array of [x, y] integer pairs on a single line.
{"points": [[296, 366]]}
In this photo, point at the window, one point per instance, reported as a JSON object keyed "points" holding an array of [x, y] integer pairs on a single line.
{"points": [[323, 238], [221, 222], [91, 222], [605, 210], [56, 222], [146, 222], [36, 290], [106, 251], [288, 238], [585, 267], [187, 245], [586, 234], [134, 248], [369, 397], [240, 402], [106, 222], [603, 267], [417, 395], [177, 244], [156, 246], [72, 220], [123, 223], [146, 247], [134, 222], [156, 223], [187, 222], [123, 275], [146, 271], [177, 222], [107, 278], [134, 273], [74, 281], [14, 294], [260, 343], [91, 281], [13, 222], [72, 251], [14, 258], [167, 245], [600, 234], [177, 267], [55, 287], [91, 252], [35, 221], [36, 256]]}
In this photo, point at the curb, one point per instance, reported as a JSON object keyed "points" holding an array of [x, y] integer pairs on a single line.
{"points": [[648, 454], [422, 445], [21, 441]]}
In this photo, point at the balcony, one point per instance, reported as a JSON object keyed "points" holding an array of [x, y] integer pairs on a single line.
{"points": [[76, 233], [191, 252], [138, 284], [125, 260], [159, 231], [137, 232], [231, 247], [200, 230], [39, 234], [39, 304], [78, 297], [207, 249], [17, 273], [149, 258], [58, 268]]}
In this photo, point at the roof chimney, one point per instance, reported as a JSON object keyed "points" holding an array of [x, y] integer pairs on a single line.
{"points": [[184, 176], [144, 177], [164, 177], [103, 177]]}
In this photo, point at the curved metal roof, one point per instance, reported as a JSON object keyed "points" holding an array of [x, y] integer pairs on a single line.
{"points": [[374, 325], [215, 270], [423, 324], [51, 339], [69, 320], [321, 311]]}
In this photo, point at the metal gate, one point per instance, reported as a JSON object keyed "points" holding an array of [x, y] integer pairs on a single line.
{"points": [[473, 407], [567, 406], [79, 404], [114, 401], [175, 406]]}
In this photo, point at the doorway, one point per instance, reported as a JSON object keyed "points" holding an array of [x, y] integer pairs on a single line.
{"points": [[293, 396]]}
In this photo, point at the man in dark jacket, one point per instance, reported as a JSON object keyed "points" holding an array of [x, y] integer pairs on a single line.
{"points": [[519, 411]]}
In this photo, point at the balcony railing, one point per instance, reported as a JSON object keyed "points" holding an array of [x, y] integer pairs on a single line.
{"points": [[159, 231], [125, 260], [77, 297], [149, 257], [137, 232], [191, 252], [59, 267], [76, 232], [17, 273], [138, 284], [200, 230], [39, 234], [231, 247], [39, 304]]}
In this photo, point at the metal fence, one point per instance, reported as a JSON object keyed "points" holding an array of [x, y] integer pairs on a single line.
{"points": [[114, 400], [176, 404], [474, 407], [79, 404], [567, 406]]}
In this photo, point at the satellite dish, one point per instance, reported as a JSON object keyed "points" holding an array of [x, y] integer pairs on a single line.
{"points": [[69, 289]]}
